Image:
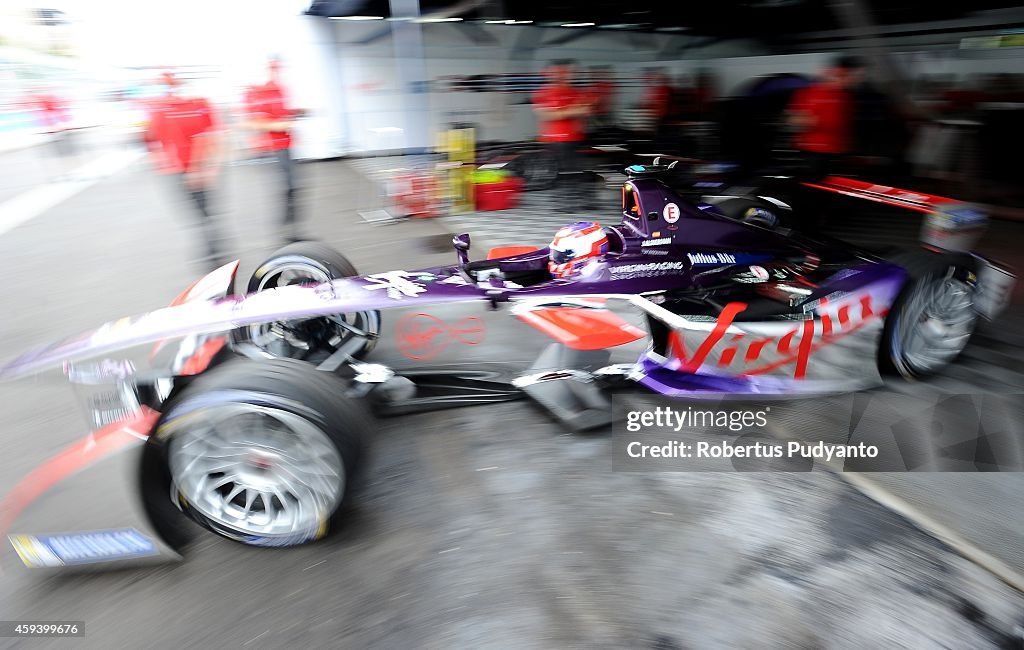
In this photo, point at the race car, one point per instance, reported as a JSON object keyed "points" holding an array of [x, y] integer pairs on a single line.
{"points": [[249, 412]]}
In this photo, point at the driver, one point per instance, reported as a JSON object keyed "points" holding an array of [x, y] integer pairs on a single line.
{"points": [[575, 246]]}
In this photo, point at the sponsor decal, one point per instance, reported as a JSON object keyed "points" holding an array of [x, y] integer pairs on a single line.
{"points": [[966, 216], [82, 548], [654, 251], [670, 212], [648, 269], [455, 279], [759, 272], [657, 242], [396, 283], [824, 300], [756, 354], [711, 258], [424, 336]]}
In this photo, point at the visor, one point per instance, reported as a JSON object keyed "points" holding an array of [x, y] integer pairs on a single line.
{"points": [[561, 257]]}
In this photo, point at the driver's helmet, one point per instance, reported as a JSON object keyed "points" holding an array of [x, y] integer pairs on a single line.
{"points": [[574, 246]]}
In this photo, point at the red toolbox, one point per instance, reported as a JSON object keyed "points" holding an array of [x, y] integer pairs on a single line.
{"points": [[498, 196]]}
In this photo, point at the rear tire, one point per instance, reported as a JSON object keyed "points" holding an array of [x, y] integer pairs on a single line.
{"points": [[933, 318], [261, 452]]}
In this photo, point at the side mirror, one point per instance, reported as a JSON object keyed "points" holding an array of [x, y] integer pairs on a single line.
{"points": [[461, 243]]}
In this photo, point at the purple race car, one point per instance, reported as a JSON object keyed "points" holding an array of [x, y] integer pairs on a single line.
{"points": [[251, 413]]}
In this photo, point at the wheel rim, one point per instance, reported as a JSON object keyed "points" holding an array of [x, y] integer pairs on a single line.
{"points": [[299, 338], [257, 470], [936, 323]]}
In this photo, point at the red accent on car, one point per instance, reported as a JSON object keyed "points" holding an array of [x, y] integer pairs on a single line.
{"points": [[421, 336], [196, 290], [583, 329], [804, 351], [86, 451], [216, 275], [509, 251], [865, 308], [826, 325], [844, 315], [754, 351], [724, 321], [729, 353], [676, 347], [469, 330], [916, 201], [792, 350], [786, 342], [201, 358]]}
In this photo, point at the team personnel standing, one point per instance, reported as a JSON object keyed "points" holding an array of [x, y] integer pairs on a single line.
{"points": [[822, 115], [185, 139], [562, 110], [601, 88], [657, 101], [269, 114], [53, 115]]}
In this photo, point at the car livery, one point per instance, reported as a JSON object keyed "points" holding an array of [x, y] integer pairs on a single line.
{"points": [[726, 306]]}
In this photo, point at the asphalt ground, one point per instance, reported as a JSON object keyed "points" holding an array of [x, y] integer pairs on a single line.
{"points": [[480, 527]]}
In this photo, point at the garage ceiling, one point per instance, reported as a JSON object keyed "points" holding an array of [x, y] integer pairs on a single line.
{"points": [[762, 19]]}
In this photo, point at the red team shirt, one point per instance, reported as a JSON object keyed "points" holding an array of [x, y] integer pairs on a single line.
{"points": [[175, 122], [568, 129], [53, 113], [267, 102], [831, 115], [658, 101], [601, 96]]}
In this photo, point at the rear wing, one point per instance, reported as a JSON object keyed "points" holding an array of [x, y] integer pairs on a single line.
{"points": [[949, 224]]}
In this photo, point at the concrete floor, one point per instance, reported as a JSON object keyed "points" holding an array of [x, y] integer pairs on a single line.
{"points": [[469, 533]]}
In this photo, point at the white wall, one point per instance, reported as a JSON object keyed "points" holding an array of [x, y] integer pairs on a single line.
{"points": [[375, 101], [371, 104]]}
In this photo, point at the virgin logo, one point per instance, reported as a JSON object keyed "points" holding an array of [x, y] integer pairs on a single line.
{"points": [[758, 354], [424, 336]]}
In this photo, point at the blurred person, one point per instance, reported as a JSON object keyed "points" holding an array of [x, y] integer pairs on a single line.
{"points": [[53, 114], [269, 115], [185, 138], [704, 95], [960, 100], [681, 101], [656, 102], [601, 88], [704, 116], [881, 134], [562, 109], [822, 115]]}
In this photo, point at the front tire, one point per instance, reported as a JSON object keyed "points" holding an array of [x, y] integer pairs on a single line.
{"points": [[262, 452], [310, 339], [932, 319]]}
